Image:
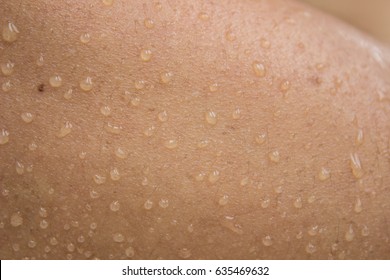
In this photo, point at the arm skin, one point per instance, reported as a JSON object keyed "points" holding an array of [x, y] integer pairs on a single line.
{"points": [[211, 130]]}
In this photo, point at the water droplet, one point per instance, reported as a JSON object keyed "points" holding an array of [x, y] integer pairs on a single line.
{"points": [[81, 239], [311, 199], [190, 228], [40, 60], [114, 206], [350, 234], [145, 181], [5, 192], [65, 129], [16, 247], [114, 174], [108, 2], [244, 181], [148, 204], [211, 117], [105, 110], [16, 219], [265, 43], [130, 252], [274, 156], [27, 117], [44, 224], [184, 253], [230, 36], [82, 155], [166, 77], [358, 206], [149, 131], [7, 68], [31, 244], [164, 203], [299, 235], [140, 84], [313, 230], [203, 143], [55, 81], [19, 168], [213, 87], [86, 84], [203, 16], [4, 136], [310, 248], [356, 166], [163, 116], [214, 176], [99, 179], [93, 226], [359, 137], [85, 38], [223, 200], [258, 69], [114, 129], [10, 32], [70, 247], [324, 174], [278, 189], [170, 144], [200, 176], [149, 23], [265, 203], [121, 153], [42, 212], [298, 203], [365, 231], [267, 241], [146, 55], [29, 167], [53, 241], [236, 114], [118, 237], [68, 94], [260, 138], [6, 86], [285, 86]]}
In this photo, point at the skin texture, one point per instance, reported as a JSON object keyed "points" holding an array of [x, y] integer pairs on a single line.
{"points": [[249, 149]]}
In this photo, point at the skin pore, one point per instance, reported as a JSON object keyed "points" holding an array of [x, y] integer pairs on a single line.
{"points": [[235, 129]]}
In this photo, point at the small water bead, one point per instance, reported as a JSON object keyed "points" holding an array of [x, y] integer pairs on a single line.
{"points": [[200, 176], [32, 146], [265, 203], [171, 143], [311, 199], [324, 174], [31, 244], [149, 23], [114, 174], [118, 237], [99, 179], [230, 36], [267, 241], [10, 32], [236, 114], [115, 206], [261, 138], [19, 167], [55, 81], [108, 2], [53, 241], [130, 252], [121, 153], [27, 117], [358, 206], [310, 248], [274, 156], [148, 204], [211, 117], [6, 86], [65, 129], [350, 234], [356, 166], [70, 247], [184, 253], [365, 231], [244, 181], [149, 131], [166, 77], [112, 128], [86, 84], [43, 212], [146, 55], [81, 239], [214, 87], [140, 84], [359, 137], [278, 189], [85, 38], [29, 168], [298, 203], [7, 68], [223, 200], [40, 60], [93, 226], [203, 16], [4, 136], [135, 101], [5, 192], [44, 224], [163, 203], [265, 44], [258, 69], [299, 235], [145, 181], [16, 219], [16, 247], [105, 110], [162, 116], [190, 228], [82, 155], [285, 86], [313, 230], [214, 176], [203, 143]]}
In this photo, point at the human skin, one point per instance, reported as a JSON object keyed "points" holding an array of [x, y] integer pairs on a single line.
{"points": [[211, 130]]}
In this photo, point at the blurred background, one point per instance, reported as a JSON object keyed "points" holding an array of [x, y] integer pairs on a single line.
{"points": [[371, 16]]}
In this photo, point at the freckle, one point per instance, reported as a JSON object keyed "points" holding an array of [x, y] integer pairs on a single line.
{"points": [[244, 181], [4, 136], [130, 252], [105, 110], [213, 87], [267, 241], [274, 156], [265, 43], [358, 206], [16, 219], [162, 116], [114, 129], [284, 86], [65, 129], [114, 174], [258, 69], [55, 81], [211, 117], [203, 143], [310, 248], [118, 237], [42, 212], [43, 224], [230, 36], [359, 137], [313, 230], [85, 38], [31, 244], [350, 234], [146, 55], [6, 86], [260, 138], [82, 155], [99, 179], [356, 166], [203, 16], [19, 168], [68, 94], [86, 84], [163, 203], [121, 153], [40, 60], [184, 253], [365, 231], [149, 23], [298, 203], [324, 174], [236, 114], [7, 68], [27, 117], [148, 204], [108, 2], [53, 241], [10, 32], [223, 200], [214, 176]]}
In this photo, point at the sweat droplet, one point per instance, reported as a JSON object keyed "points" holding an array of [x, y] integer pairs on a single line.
{"points": [[114, 206], [214, 176], [274, 156], [19, 168], [130, 252], [16, 219], [121, 153], [7, 68], [267, 241], [148, 204], [350, 234], [310, 248], [118, 237], [284, 86], [211, 117], [149, 131], [358, 206], [298, 203], [65, 129], [114, 174], [85, 38], [236, 114], [359, 137], [108, 2], [99, 179], [163, 203], [114, 129], [105, 110], [86, 84], [356, 166], [27, 117], [324, 174], [260, 138], [170, 144], [184, 253], [146, 55], [10, 32], [55, 81], [163, 116], [166, 77], [4, 136], [223, 200], [149, 23], [258, 69]]}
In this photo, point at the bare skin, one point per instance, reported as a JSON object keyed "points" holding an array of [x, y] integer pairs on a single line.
{"points": [[234, 130]]}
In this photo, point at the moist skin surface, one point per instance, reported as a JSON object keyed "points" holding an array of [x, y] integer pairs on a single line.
{"points": [[191, 130]]}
